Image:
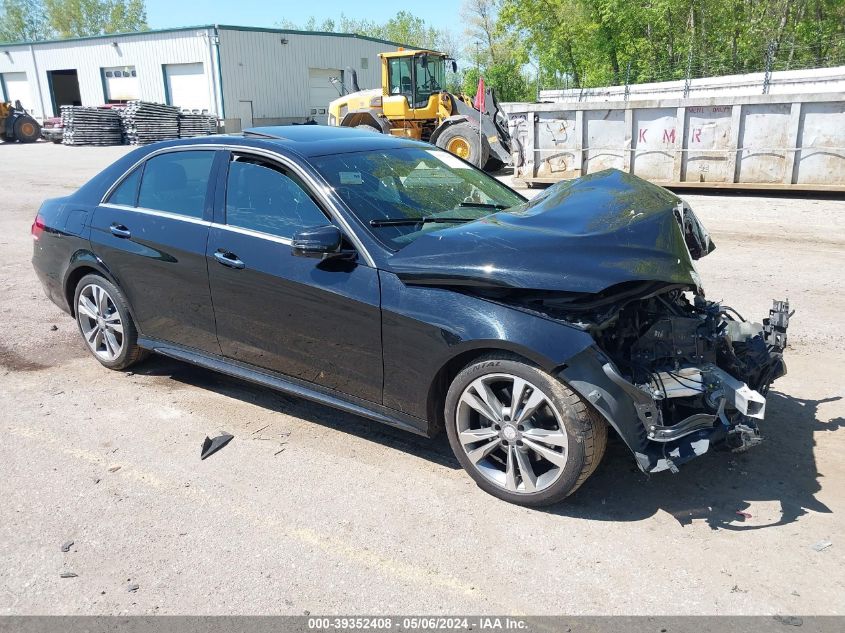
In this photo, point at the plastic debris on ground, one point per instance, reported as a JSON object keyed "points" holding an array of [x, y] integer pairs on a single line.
{"points": [[212, 445]]}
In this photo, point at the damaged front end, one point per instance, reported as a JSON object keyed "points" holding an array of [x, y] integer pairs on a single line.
{"points": [[696, 374], [672, 372], [614, 255]]}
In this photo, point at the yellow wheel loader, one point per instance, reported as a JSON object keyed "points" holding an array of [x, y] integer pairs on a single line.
{"points": [[17, 125], [412, 102]]}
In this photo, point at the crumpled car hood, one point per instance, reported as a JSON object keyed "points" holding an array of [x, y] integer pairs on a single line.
{"points": [[581, 235]]}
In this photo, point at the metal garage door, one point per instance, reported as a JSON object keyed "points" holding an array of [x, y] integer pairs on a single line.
{"points": [[121, 84], [187, 86], [17, 89], [321, 92]]}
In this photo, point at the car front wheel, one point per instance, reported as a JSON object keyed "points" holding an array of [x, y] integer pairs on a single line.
{"points": [[522, 435], [104, 321]]}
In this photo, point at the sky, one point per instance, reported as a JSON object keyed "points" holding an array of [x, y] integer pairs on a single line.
{"points": [[172, 13]]}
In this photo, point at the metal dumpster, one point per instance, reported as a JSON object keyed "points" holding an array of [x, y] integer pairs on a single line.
{"points": [[743, 142]]}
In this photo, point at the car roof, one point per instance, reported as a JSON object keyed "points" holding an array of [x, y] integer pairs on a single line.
{"points": [[320, 140], [306, 141]]}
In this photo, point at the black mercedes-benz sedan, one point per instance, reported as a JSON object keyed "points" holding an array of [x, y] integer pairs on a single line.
{"points": [[387, 278]]}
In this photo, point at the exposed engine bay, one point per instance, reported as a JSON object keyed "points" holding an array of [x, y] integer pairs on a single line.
{"points": [[693, 364], [614, 256], [693, 368]]}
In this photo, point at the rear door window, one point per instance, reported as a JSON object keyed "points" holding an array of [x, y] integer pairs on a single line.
{"points": [[127, 192], [263, 196], [177, 182]]}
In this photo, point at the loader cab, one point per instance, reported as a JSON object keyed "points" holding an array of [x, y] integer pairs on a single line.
{"points": [[412, 82]]}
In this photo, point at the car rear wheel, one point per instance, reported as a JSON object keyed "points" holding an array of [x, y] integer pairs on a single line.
{"points": [[104, 321], [522, 435]]}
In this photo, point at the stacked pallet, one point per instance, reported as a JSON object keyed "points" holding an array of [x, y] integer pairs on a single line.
{"points": [[145, 122], [91, 126], [193, 124]]}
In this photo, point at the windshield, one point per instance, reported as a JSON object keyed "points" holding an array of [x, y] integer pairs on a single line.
{"points": [[402, 193], [429, 78]]}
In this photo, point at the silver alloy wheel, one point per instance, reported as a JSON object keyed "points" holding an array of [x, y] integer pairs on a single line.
{"points": [[100, 322], [512, 433]]}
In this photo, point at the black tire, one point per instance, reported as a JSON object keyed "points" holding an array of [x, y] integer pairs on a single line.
{"points": [[129, 353], [27, 129], [367, 126], [465, 137], [585, 428], [493, 164]]}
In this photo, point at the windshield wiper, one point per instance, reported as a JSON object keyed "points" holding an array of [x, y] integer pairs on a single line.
{"points": [[484, 205], [421, 220]]}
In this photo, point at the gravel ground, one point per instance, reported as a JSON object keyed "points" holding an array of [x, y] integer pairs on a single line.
{"points": [[352, 517]]}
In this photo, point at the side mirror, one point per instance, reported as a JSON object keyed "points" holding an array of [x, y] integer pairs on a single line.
{"points": [[321, 242], [454, 66], [424, 60]]}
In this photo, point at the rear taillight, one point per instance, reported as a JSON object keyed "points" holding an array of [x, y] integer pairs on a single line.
{"points": [[38, 227]]}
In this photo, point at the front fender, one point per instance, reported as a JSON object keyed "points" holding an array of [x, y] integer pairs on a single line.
{"points": [[355, 118], [424, 328], [449, 122]]}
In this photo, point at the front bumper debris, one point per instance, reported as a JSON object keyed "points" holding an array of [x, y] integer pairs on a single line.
{"points": [[721, 409]]}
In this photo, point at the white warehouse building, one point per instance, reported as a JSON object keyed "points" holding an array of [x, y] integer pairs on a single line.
{"points": [[246, 76]]}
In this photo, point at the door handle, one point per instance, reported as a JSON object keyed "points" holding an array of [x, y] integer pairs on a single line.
{"points": [[118, 230], [228, 259]]}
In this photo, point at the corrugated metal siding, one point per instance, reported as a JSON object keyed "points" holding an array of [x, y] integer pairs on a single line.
{"points": [[257, 67], [146, 52], [19, 60]]}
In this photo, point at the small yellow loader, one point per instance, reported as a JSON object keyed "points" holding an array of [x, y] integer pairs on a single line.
{"points": [[412, 102], [17, 125]]}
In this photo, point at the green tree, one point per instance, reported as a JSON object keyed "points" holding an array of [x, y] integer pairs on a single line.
{"points": [[598, 42], [22, 20], [45, 19], [497, 53], [403, 28], [79, 18]]}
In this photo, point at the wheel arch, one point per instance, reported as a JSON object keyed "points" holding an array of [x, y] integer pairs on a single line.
{"points": [[444, 376], [447, 123], [365, 117], [84, 263]]}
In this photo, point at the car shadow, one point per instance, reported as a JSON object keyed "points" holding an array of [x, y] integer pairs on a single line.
{"points": [[436, 450], [713, 488], [719, 485]]}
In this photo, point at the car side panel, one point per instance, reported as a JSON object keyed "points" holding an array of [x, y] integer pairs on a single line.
{"points": [[161, 269], [54, 252], [311, 320], [423, 328]]}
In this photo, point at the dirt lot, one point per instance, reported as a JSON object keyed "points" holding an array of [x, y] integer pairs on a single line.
{"points": [[354, 517]]}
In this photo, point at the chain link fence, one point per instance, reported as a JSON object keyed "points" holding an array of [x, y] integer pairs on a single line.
{"points": [[824, 53]]}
